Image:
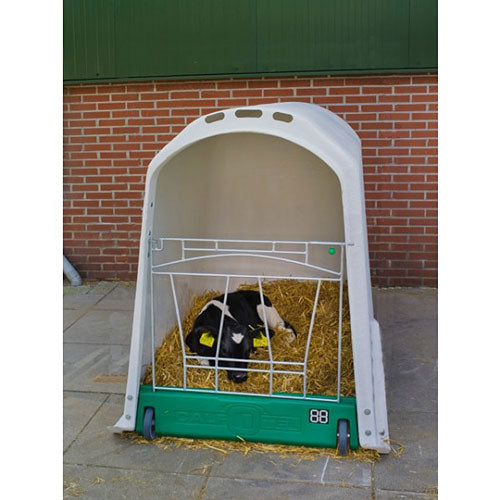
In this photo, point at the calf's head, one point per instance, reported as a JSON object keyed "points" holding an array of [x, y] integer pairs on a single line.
{"points": [[238, 342]]}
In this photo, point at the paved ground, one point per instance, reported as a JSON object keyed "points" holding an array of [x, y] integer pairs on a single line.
{"points": [[98, 464]]}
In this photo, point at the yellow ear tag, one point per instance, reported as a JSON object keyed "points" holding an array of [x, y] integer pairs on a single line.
{"points": [[261, 341], [207, 339]]}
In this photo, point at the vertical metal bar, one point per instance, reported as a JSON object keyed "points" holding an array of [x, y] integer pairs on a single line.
{"points": [[271, 361], [341, 293], [311, 324], [183, 250], [307, 253], [181, 333], [219, 340], [152, 301]]}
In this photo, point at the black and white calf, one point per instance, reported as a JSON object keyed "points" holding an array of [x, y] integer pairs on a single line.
{"points": [[242, 331]]}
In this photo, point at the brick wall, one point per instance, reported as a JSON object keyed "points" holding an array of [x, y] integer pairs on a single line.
{"points": [[112, 131]]}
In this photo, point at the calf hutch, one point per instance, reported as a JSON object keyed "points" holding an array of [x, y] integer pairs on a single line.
{"points": [[256, 198]]}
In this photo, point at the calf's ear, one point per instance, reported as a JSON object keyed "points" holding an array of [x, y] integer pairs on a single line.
{"points": [[258, 336], [201, 338]]}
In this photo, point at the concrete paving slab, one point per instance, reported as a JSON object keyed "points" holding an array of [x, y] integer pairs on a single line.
{"points": [[411, 384], [395, 495], [78, 409], [96, 445], [346, 472], [83, 301], [402, 305], [416, 339], [95, 367], [104, 287], [416, 469], [271, 466], [120, 298], [101, 327], [218, 488], [111, 483], [70, 316], [76, 290]]}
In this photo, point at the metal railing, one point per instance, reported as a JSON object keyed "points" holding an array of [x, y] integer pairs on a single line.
{"points": [[272, 250]]}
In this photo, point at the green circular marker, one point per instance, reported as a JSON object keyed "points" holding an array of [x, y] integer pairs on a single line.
{"points": [[331, 251]]}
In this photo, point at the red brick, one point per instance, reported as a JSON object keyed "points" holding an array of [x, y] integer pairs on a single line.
{"points": [[295, 83], [413, 89], [377, 126], [111, 105], [232, 85], [141, 121], [410, 142], [361, 98], [361, 117], [311, 92], [125, 97], [82, 90], [394, 98], [141, 104], [344, 90], [95, 98], [424, 116], [274, 92], [140, 87], [110, 89], [424, 98], [393, 151], [424, 79], [113, 138], [232, 102], [125, 114], [376, 90], [409, 125], [376, 107], [217, 93], [184, 94], [409, 107], [262, 84]]}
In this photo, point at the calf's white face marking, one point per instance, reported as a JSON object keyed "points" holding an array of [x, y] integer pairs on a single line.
{"points": [[219, 305], [237, 338]]}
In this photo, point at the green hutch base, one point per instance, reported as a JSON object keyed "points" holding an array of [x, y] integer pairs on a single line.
{"points": [[211, 415]]}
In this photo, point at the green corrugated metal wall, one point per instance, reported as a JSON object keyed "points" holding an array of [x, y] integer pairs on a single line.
{"points": [[139, 39]]}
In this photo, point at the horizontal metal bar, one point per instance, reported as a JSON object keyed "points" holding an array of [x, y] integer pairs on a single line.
{"points": [[263, 276], [298, 252], [301, 242], [281, 396], [236, 369], [212, 358], [339, 243]]}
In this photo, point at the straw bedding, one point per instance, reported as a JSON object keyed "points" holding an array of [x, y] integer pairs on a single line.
{"points": [[294, 301]]}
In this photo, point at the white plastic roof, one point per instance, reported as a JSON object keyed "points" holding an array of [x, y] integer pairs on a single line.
{"points": [[312, 127]]}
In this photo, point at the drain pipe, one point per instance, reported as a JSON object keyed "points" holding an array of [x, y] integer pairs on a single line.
{"points": [[71, 273]]}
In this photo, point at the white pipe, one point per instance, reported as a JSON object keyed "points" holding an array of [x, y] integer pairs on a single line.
{"points": [[71, 273]]}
